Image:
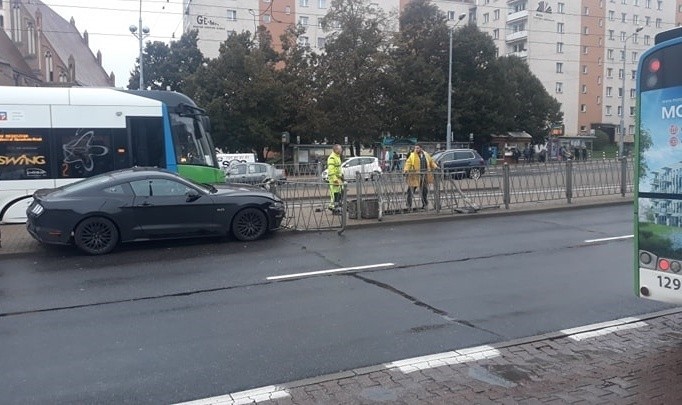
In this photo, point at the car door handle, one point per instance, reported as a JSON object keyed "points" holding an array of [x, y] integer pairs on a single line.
{"points": [[145, 204]]}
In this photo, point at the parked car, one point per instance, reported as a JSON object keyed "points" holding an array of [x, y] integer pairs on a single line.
{"points": [[362, 164], [254, 173], [460, 163], [137, 204]]}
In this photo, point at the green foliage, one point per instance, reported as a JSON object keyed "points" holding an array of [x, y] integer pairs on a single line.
{"points": [[601, 142], [168, 66]]}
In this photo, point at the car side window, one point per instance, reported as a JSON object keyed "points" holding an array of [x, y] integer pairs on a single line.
{"points": [[352, 162], [253, 169], [159, 188], [239, 169], [460, 155], [448, 157], [470, 155], [117, 189]]}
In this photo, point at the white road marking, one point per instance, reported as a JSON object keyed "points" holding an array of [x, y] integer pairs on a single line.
{"points": [[461, 356], [608, 239], [243, 397], [601, 332], [332, 271]]}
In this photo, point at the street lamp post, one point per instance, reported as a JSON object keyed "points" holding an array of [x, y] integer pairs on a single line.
{"points": [[622, 98], [448, 128], [140, 33]]}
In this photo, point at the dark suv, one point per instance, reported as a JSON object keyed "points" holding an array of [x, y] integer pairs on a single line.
{"points": [[460, 163]]}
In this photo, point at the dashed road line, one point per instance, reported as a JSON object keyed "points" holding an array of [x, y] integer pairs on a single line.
{"points": [[331, 271], [609, 239]]}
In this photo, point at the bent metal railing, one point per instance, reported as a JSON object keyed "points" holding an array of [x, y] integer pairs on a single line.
{"points": [[307, 197]]}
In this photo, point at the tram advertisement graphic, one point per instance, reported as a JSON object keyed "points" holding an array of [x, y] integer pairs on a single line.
{"points": [[660, 185]]}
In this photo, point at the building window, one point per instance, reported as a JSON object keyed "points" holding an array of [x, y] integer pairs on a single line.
{"points": [[496, 33], [560, 8], [559, 67], [321, 42], [586, 31], [635, 19], [584, 50], [49, 67], [609, 54], [287, 10], [63, 78], [622, 55], [659, 5], [611, 32], [584, 69], [486, 18], [620, 111], [451, 15], [586, 11], [607, 110], [559, 47], [632, 111], [560, 28], [598, 100], [612, 15], [658, 23], [609, 73], [496, 14], [266, 18], [609, 90], [633, 93], [559, 87], [623, 17], [620, 73], [303, 20], [647, 21], [620, 92], [31, 39], [583, 108], [231, 15], [322, 4], [623, 35], [304, 3], [631, 129], [584, 89], [647, 3], [647, 40]]}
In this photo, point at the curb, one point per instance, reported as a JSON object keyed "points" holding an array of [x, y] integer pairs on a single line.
{"points": [[412, 364], [500, 213]]}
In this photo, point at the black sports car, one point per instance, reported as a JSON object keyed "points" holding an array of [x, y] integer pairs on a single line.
{"points": [[138, 204]]}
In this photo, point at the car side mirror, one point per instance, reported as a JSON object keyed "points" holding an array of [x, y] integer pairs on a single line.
{"points": [[192, 195]]}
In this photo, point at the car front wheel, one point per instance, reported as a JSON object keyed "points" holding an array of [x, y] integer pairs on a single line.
{"points": [[249, 224], [475, 173], [96, 236]]}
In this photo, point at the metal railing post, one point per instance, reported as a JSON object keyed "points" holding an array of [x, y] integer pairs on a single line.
{"points": [[344, 209], [436, 189], [506, 192], [569, 180], [623, 175], [358, 182]]}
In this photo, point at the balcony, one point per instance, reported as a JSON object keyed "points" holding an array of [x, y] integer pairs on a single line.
{"points": [[519, 15], [515, 36], [521, 54]]}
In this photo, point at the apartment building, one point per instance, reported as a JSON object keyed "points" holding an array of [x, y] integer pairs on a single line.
{"points": [[582, 51], [576, 48]]}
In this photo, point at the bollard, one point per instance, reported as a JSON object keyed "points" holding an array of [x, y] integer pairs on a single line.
{"points": [[506, 196], [344, 209], [623, 176], [569, 180]]}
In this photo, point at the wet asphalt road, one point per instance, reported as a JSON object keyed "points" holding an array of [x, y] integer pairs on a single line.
{"points": [[169, 322]]}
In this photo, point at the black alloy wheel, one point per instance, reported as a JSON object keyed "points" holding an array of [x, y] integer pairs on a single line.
{"points": [[475, 173], [96, 236], [249, 224]]}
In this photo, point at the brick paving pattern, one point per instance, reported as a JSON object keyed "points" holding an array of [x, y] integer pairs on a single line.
{"points": [[639, 365]]}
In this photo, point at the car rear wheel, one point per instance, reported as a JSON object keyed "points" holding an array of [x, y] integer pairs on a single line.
{"points": [[249, 224], [96, 236], [475, 173]]}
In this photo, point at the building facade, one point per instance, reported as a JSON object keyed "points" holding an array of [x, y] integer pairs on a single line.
{"points": [[581, 50], [39, 48]]}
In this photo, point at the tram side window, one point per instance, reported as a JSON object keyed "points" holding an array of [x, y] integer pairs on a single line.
{"points": [[148, 143], [24, 154], [84, 152]]}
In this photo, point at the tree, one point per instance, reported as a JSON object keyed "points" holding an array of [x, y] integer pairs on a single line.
{"points": [[349, 75], [531, 108], [416, 80], [241, 93], [168, 66]]}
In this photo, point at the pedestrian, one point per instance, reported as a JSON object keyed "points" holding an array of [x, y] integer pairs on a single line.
{"points": [[396, 160], [418, 168], [335, 179]]}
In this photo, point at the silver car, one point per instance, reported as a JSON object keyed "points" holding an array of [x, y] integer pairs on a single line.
{"points": [[254, 173]]}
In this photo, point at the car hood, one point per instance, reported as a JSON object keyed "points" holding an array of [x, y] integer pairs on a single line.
{"points": [[244, 189]]}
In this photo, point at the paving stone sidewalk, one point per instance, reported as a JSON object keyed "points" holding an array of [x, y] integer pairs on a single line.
{"points": [[630, 361]]}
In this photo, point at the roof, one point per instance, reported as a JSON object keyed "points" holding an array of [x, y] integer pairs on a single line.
{"points": [[66, 40], [9, 54]]}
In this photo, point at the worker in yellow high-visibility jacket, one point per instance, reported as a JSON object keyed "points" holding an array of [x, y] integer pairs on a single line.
{"points": [[335, 178]]}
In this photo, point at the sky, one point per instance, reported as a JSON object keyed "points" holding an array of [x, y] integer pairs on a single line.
{"points": [[107, 24]]}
